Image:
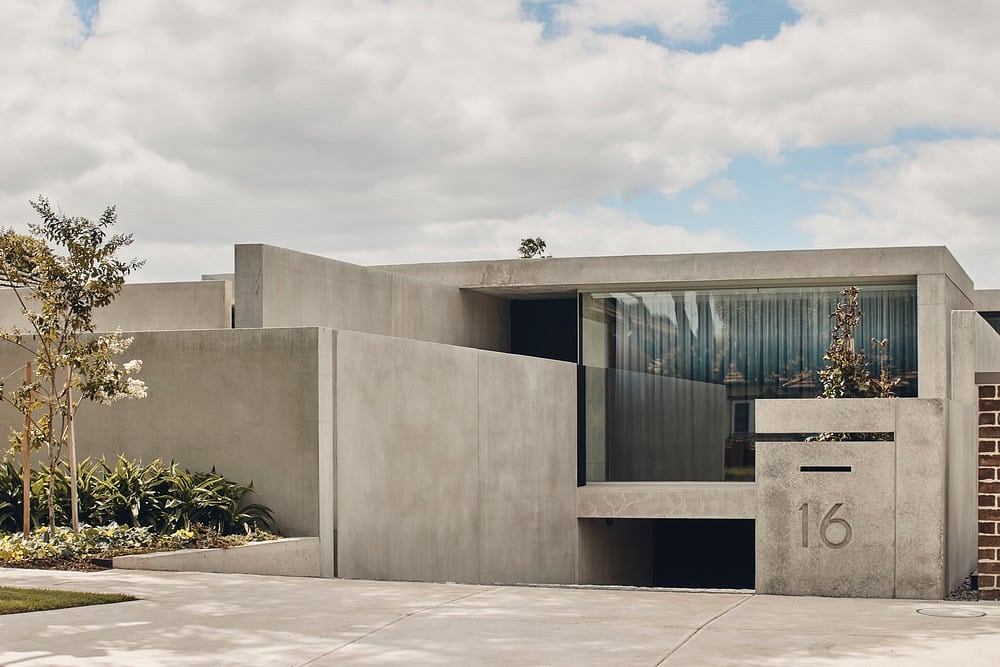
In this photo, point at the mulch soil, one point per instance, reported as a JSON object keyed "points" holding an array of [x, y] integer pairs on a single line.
{"points": [[83, 565]]}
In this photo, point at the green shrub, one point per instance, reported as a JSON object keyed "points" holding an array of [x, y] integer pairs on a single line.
{"points": [[211, 500], [10, 496], [155, 496]]}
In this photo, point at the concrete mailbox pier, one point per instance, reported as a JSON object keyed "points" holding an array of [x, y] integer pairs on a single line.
{"points": [[858, 519], [826, 518]]}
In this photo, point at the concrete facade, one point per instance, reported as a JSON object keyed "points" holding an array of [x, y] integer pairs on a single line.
{"points": [[206, 304], [496, 432], [276, 287], [379, 410]]}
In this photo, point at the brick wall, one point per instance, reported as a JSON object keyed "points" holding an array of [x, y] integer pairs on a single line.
{"points": [[989, 491]]}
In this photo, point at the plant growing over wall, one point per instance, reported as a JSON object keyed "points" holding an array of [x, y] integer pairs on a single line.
{"points": [[847, 373], [532, 248], [60, 272]]}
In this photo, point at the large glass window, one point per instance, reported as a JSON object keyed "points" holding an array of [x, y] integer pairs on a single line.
{"points": [[670, 377]]}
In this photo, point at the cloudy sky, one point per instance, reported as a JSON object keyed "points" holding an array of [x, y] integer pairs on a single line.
{"points": [[383, 131]]}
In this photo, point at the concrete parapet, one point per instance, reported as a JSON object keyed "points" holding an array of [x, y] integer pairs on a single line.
{"points": [[276, 287], [205, 304], [840, 266]]}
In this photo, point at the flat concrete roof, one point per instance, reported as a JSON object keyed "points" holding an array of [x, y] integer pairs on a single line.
{"points": [[555, 275]]}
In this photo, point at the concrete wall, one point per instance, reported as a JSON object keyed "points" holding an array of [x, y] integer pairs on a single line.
{"points": [[206, 304], [246, 402], [937, 296], [987, 300], [453, 464], [276, 287], [287, 557], [930, 558]]}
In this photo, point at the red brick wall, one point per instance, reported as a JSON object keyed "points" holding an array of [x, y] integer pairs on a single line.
{"points": [[989, 492]]}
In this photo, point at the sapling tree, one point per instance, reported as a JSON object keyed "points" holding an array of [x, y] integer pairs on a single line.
{"points": [[847, 373], [60, 273]]}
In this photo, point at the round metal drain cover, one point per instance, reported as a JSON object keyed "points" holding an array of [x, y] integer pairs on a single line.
{"points": [[951, 612]]}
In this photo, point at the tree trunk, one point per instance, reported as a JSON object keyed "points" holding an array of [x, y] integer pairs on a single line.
{"points": [[52, 476], [26, 462], [74, 503]]}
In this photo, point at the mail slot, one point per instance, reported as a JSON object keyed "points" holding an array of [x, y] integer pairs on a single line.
{"points": [[826, 469]]}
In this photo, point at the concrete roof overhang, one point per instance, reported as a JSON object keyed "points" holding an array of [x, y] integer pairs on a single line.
{"points": [[565, 276]]}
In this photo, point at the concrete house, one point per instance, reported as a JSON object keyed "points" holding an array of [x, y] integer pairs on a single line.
{"points": [[627, 420]]}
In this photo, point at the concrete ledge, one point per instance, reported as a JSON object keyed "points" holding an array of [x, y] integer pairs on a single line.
{"points": [[666, 500], [290, 557]]}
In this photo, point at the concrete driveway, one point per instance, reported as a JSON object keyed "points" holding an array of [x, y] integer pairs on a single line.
{"points": [[218, 619]]}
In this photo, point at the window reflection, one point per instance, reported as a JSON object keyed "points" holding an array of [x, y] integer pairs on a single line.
{"points": [[671, 376]]}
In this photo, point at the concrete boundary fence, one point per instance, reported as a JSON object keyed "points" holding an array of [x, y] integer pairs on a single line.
{"points": [[880, 508]]}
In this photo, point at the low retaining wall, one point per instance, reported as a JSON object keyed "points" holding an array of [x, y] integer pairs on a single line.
{"points": [[290, 557]]}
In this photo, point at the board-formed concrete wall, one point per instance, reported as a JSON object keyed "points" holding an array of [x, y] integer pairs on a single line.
{"points": [[453, 464], [276, 287], [205, 304], [247, 402]]}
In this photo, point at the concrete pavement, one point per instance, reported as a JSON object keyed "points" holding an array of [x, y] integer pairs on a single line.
{"points": [[220, 619]]}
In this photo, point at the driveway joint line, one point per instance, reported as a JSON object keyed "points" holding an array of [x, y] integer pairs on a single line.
{"points": [[395, 621], [700, 628]]}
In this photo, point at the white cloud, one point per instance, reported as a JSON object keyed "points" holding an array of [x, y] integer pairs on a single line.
{"points": [[596, 230], [932, 193], [682, 20], [355, 127]]}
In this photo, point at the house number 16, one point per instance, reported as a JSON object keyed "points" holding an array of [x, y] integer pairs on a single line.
{"points": [[824, 527]]}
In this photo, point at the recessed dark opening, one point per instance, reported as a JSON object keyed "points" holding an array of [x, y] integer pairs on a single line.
{"points": [[669, 553], [544, 328], [703, 553]]}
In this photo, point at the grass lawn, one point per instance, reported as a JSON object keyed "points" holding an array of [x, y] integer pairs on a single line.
{"points": [[17, 600]]}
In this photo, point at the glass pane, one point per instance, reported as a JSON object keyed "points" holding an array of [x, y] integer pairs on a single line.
{"points": [[671, 377]]}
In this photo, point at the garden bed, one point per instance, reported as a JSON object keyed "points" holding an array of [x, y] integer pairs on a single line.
{"points": [[94, 548]]}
